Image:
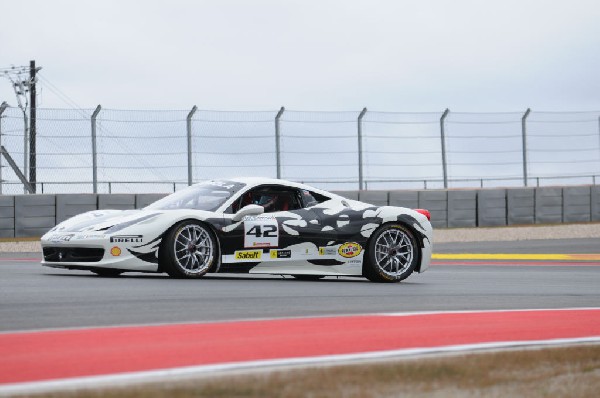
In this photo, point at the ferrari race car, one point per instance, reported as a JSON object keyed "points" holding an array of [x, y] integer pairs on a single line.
{"points": [[247, 225]]}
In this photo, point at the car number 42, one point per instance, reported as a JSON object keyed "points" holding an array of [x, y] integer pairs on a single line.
{"points": [[261, 234]]}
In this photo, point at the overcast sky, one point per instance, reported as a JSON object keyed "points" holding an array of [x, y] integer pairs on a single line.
{"points": [[309, 55]]}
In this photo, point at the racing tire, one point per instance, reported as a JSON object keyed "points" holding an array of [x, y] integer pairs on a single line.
{"points": [[107, 272], [392, 254], [308, 277], [189, 250]]}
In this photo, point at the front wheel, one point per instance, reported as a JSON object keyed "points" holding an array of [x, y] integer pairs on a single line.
{"points": [[189, 250], [392, 254]]}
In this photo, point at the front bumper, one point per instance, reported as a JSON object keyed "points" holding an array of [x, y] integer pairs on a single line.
{"points": [[82, 252]]}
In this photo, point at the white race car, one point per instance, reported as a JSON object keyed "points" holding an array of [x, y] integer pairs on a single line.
{"points": [[242, 225]]}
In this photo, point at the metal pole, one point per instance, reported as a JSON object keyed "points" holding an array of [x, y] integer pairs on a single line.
{"points": [[524, 135], [443, 141], [189, 142], [25, 147], [278, 142], [94, 154], [360, 159], [32, 125], [3, 106]]}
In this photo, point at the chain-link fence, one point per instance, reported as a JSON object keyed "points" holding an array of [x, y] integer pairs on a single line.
{"points": [[107, 150]]}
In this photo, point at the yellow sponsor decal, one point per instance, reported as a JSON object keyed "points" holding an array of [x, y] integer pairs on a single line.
{"points": [[350, 249], [248, 255], [115, 251], [515, 256]]}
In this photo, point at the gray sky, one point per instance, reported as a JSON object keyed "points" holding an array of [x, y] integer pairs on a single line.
{"points": [[309, 55]]}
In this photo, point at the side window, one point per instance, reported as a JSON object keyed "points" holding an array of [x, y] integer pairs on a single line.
{"points": [[277, 199], [310, 199], [271, 198]]}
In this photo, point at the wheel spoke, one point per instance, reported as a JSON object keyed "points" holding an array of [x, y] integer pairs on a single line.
{"points": [[393, 252], [193, 248]]}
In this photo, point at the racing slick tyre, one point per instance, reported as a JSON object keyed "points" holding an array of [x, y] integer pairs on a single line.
{"points": [[308, 277], [392, 254], [107, 272], [189, 250]]}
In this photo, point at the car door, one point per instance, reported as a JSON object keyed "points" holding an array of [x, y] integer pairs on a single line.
{"points": [[286, 231]]}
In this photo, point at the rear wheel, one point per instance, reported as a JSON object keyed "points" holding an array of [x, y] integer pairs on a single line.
{"points": [[189, 250], [392, 254]]}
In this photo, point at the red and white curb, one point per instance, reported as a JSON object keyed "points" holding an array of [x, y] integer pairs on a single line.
{"points": [[33, 361]]}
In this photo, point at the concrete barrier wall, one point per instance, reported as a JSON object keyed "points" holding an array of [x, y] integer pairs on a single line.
{"points": [[348, 194], [144, 199], [462, 209], [491, 208], [7, 216], [595, 197], [520, 206], [408, 199], [548, 205], [68, 205], [34, 215], [377, 198], [577, 204], [120, 201], [437, 204]]}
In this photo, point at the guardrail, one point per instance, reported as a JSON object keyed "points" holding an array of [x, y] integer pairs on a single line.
{"points": [[58, 187], [33, 215]]}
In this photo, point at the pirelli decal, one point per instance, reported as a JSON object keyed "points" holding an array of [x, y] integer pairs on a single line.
{"points": [[248, 255]]}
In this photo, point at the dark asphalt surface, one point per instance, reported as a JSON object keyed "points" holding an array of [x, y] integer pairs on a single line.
{"points": [[36, 297]]}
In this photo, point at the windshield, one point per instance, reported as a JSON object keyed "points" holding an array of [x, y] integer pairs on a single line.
{"points": [[209, 196]]}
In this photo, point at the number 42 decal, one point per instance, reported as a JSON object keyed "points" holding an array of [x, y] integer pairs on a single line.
{"points": [[268, 231], [261, 233]]}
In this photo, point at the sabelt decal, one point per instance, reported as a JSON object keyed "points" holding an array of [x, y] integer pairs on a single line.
{"points": [[127, 238], [115, 251], [281, 253], [327, 251], [248, 255], [350, 249]]}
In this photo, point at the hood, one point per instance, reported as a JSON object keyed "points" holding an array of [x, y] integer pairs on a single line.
{"points": [[103, 220]]}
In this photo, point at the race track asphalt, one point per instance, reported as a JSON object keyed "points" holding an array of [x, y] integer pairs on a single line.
{"points": [[36, 297]]}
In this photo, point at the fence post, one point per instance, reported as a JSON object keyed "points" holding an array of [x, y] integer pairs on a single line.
{"points": [[3, 107], [189, 142], [524, 136], [278, 142], [443, 142], [360, 151], [94, 153]]}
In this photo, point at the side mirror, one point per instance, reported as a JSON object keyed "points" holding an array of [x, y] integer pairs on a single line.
{"points": [[249, 210]]}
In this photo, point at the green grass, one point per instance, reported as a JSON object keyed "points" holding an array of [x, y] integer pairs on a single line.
{"points": [[550, 372]]}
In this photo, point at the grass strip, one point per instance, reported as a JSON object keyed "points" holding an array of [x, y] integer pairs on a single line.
{"points": [[549, 372]]}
